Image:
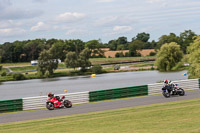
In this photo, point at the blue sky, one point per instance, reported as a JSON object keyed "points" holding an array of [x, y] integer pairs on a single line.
{"points": [[96, 19]]}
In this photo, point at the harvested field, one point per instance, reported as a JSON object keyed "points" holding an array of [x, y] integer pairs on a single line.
{"points": [[144, 52]]}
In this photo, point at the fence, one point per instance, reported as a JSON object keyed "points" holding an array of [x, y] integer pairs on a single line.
{"points": [[10, 105], [118, 93], [39, 102]]}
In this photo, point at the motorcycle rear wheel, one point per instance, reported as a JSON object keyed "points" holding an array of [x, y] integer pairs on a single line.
{"points": [[50, 106], [67, 104]]}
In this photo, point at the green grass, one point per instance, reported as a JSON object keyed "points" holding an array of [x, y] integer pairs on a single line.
{"points": [[25, 68], [15, 64], [4, 70], [176, 117], [120, 59]]}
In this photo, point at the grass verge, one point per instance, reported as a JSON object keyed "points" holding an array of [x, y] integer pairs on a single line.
{"points": [[176, 117]]}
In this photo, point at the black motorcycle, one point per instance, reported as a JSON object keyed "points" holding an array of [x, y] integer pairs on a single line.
{"points": [[172, 89]]}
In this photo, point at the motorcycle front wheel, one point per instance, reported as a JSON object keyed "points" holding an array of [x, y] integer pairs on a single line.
{"points": [[166, 94], [50, 106], [67, 104], [181, 92]]}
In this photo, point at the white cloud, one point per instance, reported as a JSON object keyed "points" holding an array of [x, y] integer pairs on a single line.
{"points": [[122, 29], [106, 20], [162, 3], [39, 27], [7, 32], [75, 31], [105, 1], [70, 17], [10, 24], [154, 1], [118, 30]]}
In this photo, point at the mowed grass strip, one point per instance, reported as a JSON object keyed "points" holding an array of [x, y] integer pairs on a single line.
{"points": [[25, 68], [176, 117], [120, 59]]}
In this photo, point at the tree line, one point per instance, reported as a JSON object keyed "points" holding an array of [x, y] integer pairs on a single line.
{"points": [[25, 51], [76, 53]]}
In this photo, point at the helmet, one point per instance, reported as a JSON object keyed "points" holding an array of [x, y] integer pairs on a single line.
{"points": [[166, 81], [50, 94]]}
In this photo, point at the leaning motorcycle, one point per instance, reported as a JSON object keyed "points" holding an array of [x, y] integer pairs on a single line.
{"points": [[172, 89], [57, 102]]}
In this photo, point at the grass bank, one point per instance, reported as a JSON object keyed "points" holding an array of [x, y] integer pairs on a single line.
{"points": [[176, 117]]}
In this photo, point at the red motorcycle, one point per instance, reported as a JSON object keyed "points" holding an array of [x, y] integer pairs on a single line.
{"points": [[57, 102]]}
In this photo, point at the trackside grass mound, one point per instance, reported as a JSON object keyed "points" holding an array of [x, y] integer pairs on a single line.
{"points": [[176, 117]]}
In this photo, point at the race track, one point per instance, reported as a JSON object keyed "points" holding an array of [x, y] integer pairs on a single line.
{"points": [[94, 107]]}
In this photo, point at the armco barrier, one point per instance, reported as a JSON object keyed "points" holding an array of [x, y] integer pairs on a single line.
{"points": [[10, 105], [40, 102], [189, 84], [118, 93], [199, 83]]}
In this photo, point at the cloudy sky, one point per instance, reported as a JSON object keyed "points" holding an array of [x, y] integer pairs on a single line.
{"points": [[96, 19]]}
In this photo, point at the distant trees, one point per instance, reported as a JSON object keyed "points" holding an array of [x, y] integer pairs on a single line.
{"points": [[58, 50], [83, 59], [74, 60], [25, 51], [71, 60], [186, 38], [144, 37], [120, 44], [94, 47], [97, 68], [134, 47], [194, 58], [47, 63], [169, 56], [167, 39]]}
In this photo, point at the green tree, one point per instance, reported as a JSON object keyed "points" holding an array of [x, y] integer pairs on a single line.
{"points": [[58, 50], [120, 47], [186, 38], [75, 45], [194, 58], [167, 39], [7, 52], [18, 51], [134, 47], [71, 60], [122, 43], [50, 42], [33, 48], [97, 68], [83, 59], [169, 56], [112, 44], [143, 37], [46, 63], [94, 47]]}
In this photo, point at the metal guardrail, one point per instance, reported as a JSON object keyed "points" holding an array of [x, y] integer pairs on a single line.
{"points": [[118, 93], [10, 105], [39, 102]]}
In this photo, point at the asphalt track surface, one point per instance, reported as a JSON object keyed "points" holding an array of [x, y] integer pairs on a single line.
{"points": [[95, 107]]}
